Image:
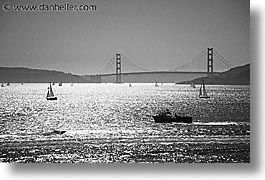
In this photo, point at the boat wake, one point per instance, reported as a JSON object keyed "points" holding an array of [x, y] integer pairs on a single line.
{"points": [[218, 123], [48, 133]]}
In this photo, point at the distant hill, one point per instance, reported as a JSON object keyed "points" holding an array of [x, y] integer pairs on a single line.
{"points": [[235, 76], [26, 75]]}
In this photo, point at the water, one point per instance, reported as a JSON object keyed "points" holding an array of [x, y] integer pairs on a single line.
{"points": [[113, 123]]}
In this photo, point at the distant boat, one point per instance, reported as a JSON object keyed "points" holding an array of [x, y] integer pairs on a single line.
{"points": [[166, 117], [50, 95], [53, 83], [156, 85], [8, 84], [192, 85], [2, 85], [202, 92], [54, 132], [130, 85], [60, 83], [22, 83]]}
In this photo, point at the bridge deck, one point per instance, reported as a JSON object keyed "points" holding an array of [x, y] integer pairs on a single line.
{"points": [[162, 72], [149, 77]]}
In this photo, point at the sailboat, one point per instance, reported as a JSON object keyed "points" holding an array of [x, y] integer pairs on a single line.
{"points": [[50, 95], [202, 93]]}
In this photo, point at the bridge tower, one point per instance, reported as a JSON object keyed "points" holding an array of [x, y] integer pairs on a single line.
{"points": [[118, 68], [210, 62]]}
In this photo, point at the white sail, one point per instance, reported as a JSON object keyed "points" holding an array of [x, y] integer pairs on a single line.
{"points": [[203, 93], [50, 92], [204, 90], [50, 95]]}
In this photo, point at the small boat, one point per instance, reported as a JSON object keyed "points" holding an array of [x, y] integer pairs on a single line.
{"points": [[50, 95], [202, 92], [22, 83], [192, 85], [53, 83], [54, 132], [156, 85], [60, 83], [2, 85], [166, 117], [8, 84], [130, 85], [58, 132]]}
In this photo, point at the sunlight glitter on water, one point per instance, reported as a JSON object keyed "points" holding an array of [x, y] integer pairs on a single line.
{"points": [[117, 110]]}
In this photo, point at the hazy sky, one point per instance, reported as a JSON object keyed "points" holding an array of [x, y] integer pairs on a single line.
{"points": [[156, 34]]}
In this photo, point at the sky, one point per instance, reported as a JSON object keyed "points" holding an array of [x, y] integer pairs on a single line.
{"points": [[155, 34]]}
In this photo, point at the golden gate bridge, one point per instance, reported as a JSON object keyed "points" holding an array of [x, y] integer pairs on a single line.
{"points": [[120, 69]]}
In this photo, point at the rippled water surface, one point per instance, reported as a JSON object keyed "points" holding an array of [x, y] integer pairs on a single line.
{"points": [[113, 123]]}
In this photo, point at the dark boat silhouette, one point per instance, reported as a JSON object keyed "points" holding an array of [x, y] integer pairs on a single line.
{"points": [[54, 132], [58, 132], [166, 117]]}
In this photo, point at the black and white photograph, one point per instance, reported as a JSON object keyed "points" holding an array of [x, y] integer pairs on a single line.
{"points": [[125, 81]]}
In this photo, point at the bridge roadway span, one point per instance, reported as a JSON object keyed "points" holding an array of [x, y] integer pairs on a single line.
{"points": [[149, 77]]}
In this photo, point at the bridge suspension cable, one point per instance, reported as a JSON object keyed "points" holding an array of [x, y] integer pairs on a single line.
{"points": [[222, 59], [111, 62], [197, 58], [125, 60], [188, 65], [130, 63]]}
